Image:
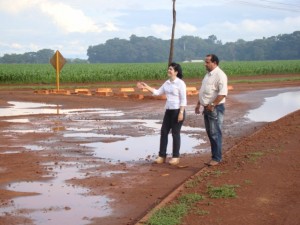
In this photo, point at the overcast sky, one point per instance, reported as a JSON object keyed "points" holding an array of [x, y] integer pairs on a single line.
{"points": [[72, 25]]}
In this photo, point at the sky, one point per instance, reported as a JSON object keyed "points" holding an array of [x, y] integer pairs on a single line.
{"points": [[71, 26]]}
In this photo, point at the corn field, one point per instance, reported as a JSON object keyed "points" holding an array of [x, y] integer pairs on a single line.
{"points": [[83, 73]]}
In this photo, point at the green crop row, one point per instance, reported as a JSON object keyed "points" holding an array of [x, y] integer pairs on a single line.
{"points": [[83, 73]]}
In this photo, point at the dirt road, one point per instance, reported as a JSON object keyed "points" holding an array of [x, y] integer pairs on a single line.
{"points": [[49, 149]]}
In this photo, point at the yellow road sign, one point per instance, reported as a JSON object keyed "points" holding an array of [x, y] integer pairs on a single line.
{"points": [[58, 62]]}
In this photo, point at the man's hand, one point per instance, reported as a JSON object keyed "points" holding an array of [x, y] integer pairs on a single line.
{"points": [[210, 108]]}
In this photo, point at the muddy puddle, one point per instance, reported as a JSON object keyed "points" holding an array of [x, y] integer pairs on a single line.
{"points": [[140, 148], [275, 107], [102, 132], [55, 201], [31, 108], [99, 134]]}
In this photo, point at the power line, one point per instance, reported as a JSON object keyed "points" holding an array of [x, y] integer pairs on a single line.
{"points": [[271, 5], [281, 3]]}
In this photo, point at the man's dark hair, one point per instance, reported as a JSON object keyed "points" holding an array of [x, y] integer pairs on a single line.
{"points": [[177, 68], [214, 58]]}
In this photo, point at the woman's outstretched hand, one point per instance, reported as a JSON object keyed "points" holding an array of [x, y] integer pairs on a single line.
{"points": [[141, 85]]}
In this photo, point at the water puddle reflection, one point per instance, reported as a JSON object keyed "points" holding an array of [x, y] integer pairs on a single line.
{"points": [[10, 152], [18, 120], [25, 131], [34, 147], [57, 202], [139, 148], [92, 135], [30, 108], [142, 144], [276, 107], [111, 139]]}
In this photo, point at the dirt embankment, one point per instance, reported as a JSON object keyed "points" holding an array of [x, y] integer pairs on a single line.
{"points": [[265, 170]]}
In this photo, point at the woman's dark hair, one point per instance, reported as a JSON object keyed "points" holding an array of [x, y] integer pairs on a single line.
{"points": [[177, 68], [213, 58]]}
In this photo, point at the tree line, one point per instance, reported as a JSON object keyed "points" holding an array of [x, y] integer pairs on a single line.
{"points": [[40, 57], [187, 48]]}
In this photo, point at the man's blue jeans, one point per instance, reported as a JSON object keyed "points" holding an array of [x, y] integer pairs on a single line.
{"points": [[213, 125]]}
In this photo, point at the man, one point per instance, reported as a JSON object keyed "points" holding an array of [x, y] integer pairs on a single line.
{"points": [[212, 96]]}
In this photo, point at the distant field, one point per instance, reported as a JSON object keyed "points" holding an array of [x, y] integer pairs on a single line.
{"points": [[83, 73]]}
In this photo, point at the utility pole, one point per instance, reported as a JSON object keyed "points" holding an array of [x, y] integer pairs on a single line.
{"points": [[173, 34]]}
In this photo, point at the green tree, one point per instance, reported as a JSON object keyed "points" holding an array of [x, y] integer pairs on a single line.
{"points": [[44, 55]]}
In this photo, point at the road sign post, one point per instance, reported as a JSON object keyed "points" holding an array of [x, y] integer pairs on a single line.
{"points": [[58, 62], [57, 72]]}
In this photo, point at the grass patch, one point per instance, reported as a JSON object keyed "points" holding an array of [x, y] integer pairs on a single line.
{"points": [[169, 215], [225, 191], [193, 183], [253, 156], [173, 214], [190, 199]]}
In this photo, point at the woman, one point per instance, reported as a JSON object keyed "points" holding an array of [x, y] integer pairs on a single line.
{"points": [[175, 90]]}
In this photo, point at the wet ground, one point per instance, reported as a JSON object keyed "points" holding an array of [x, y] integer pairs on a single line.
{"points": [[72, 162]]}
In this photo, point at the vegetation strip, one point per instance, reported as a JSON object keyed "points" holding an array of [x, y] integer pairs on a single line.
{"points": [[85, 73], [113, 85], [173, 213]]}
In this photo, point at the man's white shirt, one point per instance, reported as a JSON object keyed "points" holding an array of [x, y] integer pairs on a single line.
{"points": [[213, 84]]}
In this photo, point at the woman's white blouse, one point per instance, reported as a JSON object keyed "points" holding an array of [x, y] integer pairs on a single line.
{"points": [[175, 92]]}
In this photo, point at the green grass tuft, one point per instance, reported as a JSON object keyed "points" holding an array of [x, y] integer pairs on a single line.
{"points": [[190, 199], [173, 214], [193, 182], [169, 215], [225, 191]]}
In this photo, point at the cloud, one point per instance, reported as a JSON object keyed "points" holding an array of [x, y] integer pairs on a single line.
{"points": [[17, 6], [186, 28], [249, 29], [19, 48], [156, 30], [67, 18], [164, 31], [16, 46], [153, 5]]}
